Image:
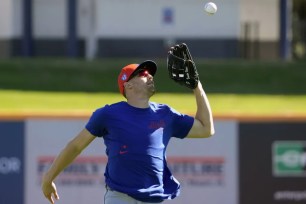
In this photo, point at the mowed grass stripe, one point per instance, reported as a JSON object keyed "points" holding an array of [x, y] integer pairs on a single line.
{"points": [[222, 104]]}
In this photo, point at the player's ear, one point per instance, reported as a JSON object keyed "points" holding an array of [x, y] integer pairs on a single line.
{"points": [[128, 85]]}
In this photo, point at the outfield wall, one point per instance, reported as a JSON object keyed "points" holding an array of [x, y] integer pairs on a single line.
{"points": [[245, 162]]}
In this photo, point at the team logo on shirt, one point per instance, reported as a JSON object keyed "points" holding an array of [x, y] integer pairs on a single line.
{"points": [[157, 124], [123, 149]]}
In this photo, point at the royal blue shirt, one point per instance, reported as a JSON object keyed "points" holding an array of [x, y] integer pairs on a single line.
{"points": [[136, 140]]}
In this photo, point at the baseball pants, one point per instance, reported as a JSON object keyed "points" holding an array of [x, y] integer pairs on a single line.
{"points": [[115, 197]]}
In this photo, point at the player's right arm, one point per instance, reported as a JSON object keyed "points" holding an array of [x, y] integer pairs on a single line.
{"points": [[66, 157]]}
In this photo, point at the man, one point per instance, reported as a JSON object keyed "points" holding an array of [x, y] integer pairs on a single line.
{"points": [[136, 134]]}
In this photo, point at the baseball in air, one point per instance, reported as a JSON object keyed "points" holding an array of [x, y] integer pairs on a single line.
{"points": [[210, 8]]}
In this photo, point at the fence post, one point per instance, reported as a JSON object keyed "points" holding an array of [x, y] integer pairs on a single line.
{"points": [[27, 37], [285, 29], [72, 28]]}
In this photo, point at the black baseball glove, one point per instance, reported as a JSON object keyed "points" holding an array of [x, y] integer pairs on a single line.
{"points": [[181, 67]]}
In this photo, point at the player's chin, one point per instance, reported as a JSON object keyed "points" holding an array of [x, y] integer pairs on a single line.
{"points": [[151, 91], [151, 87]]}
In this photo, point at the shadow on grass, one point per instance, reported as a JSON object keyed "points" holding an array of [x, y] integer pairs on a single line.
{"points": [[240, 77]]}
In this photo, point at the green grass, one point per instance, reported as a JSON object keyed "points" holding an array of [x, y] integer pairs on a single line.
{"points": [[233, 87], [242, 77], [222, 104]]}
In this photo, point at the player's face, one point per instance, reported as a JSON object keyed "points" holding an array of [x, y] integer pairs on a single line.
{"points": [[143, 82]]}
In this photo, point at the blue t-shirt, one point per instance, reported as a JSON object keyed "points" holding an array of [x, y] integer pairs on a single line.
{"points": [[136, 141]]}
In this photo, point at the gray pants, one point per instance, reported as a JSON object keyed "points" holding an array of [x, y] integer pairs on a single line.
{"points": [[115, 197]]}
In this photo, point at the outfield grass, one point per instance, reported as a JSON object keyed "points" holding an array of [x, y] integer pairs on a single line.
{"points": [[243, 77], [222, 104], [234, 87]]}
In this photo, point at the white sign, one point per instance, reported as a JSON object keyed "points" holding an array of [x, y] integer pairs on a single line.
{"points": [[206, 168]]}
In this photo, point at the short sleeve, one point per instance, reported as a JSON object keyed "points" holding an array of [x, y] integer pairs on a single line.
{"points": [[182, 124], [96, 124]]}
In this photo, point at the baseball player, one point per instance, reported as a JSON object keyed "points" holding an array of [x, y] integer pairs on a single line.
{"points": [[136, 133]]}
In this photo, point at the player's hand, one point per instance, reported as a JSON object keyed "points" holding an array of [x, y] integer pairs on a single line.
{"points": [[49, 190]]}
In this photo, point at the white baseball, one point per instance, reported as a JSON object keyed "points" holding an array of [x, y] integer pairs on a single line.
{"points": [[210, 8]]}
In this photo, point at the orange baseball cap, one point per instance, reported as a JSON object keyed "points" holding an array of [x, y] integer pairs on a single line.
{"points": [[128, 70]]}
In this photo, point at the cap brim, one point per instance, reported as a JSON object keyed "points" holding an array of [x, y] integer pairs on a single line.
{"points": [[148, 65]]}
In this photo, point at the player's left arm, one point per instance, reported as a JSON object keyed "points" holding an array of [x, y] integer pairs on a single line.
{"points": [[203, 125], [182, 70]]}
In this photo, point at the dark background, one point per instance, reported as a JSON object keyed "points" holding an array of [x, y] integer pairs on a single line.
{"points": [[257, 184]]}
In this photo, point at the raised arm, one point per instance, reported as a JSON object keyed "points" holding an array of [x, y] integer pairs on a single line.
{"points": [[182, 70], [203, 125]]}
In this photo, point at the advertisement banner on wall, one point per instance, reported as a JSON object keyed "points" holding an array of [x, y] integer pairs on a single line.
{"points": [[206, 168], [82, 182], [12, 162], [273, 163], [85, 171]]}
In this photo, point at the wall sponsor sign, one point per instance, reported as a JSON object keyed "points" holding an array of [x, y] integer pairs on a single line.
{"points": [[289, 158], [206, 168], [272, 166], [198, 171], [85, 171], [89, 170], [81, 182]]}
